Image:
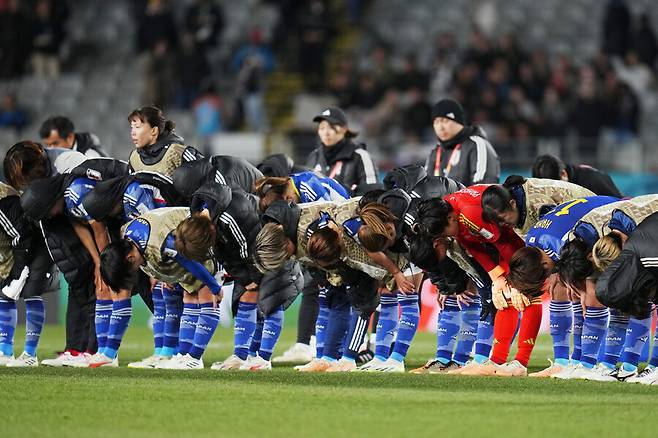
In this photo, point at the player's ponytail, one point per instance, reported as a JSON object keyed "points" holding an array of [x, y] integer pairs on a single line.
{"points": [[606, 250], [495, 201], [374, 234]]}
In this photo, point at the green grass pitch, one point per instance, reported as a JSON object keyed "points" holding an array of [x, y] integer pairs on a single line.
{"points": [[284, 403]]}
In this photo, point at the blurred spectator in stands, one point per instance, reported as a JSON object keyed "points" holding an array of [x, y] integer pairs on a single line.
{"points": [[509, 49], [622, 108], [253, 62], [314, 36], [191, 70], [636, 75], [417, 111], [379, 65], [14, 39], [11, 115], [410, 76], [552, 122], [47, 37], [207, 110], [205, 21], [587, 115], [616, 28], [368, 92], [157, 39]]}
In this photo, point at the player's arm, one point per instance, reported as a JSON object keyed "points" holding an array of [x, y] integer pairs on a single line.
{"points": [[401, 281]]}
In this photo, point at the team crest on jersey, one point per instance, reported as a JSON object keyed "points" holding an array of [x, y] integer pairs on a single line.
{"points": [[486, 234]]}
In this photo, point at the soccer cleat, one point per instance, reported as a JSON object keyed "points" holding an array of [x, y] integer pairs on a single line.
{"points": [[487, 368], [566, 373], [314, 366], [647, 377], [391, 366], [256, 363], [99, 360], [298, 353], [600, 373], [341, 366], [187, 363], [22, 361], [4, 359], [512, 369], [622, 375], [149, 362], [66, 359], [232, 362], [548, 372], [370, 366], [167, 364], [461, 368]]}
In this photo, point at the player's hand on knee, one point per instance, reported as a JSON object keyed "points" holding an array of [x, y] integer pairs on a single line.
{"points": [[519, 301]]}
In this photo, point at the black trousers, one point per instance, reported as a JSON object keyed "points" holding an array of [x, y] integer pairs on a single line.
{"points": [[80, 316]]}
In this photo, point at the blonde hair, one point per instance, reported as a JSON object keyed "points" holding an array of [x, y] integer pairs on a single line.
{"points": [[194, 238], [325, 246], [270, 248], [278, 184], [374, 234], [606, 250]]}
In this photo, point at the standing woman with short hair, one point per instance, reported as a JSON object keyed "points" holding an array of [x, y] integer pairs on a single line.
{"points": [[338, 156], [157, 147]]}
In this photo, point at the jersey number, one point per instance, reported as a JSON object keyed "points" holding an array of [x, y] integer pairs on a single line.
{"points": [[565, 210]]}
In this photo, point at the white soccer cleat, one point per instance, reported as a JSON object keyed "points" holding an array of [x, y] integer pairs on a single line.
{"points": [[314, 366], [648, 376], [22, 361], [298, 353], [99, 360], [187, 363], [148, 362], [232, 362], [567, 372], [341, 366], [4, 359], [512, 369], [66, 359], [622, 375], [256, 363], [600, 373], [372, 365], [167, 364], [391, 366]]}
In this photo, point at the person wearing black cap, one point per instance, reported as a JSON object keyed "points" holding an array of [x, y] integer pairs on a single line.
{"points": [[551, 167], [463, 154], [338, 156]]}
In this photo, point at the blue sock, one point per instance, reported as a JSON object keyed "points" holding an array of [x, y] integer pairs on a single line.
{"points": [[174, 308], [578, 321], [337, 325], [258, 337], [561, 320], [484, 340], [188, 323], [614, 339], [8, 320], [470, 315], [102, 321], [159, 312], [35, 314], [356, 334], [594, 328], [271, 332], [205, 328], [243, 329], [637, 335], [321, 323], [409, 316], [653, 361], [386, 326], [121, 313], [447, 330]]}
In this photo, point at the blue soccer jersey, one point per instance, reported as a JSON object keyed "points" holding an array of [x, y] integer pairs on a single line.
{"points": [[141, 198], [551, 232], [312, 187], [74, 195]]}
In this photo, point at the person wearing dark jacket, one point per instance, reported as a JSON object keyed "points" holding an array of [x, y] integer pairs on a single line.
{"points": [[338, 156], [157, 147], [234, 219], [59, 132], [279, 165], [463, 154], [26, 271], [551, 167]]}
